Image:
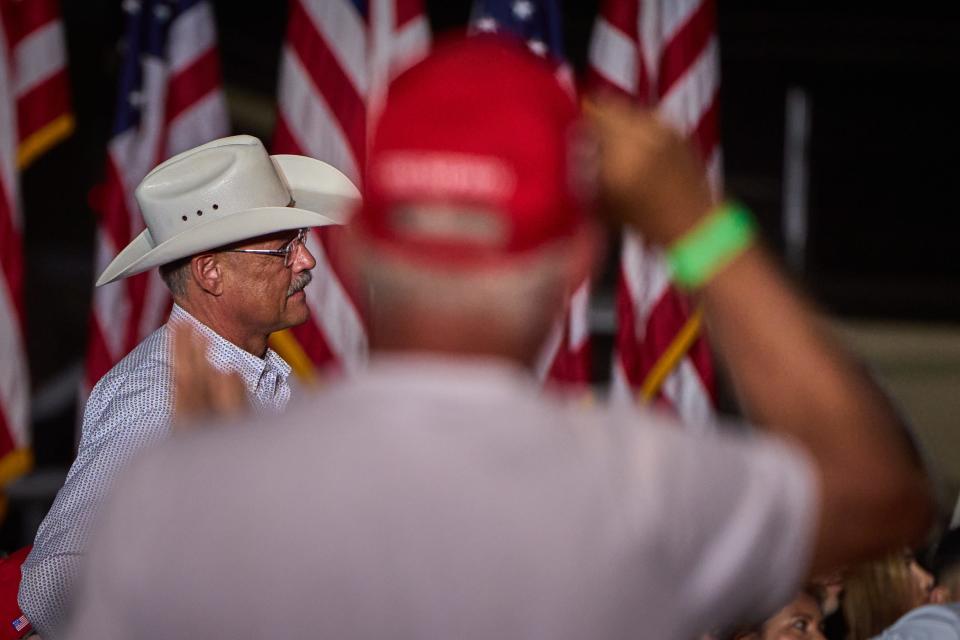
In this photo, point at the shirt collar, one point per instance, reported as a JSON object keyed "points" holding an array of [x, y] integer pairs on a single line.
{"points": [[448, 374], [226, 356]]}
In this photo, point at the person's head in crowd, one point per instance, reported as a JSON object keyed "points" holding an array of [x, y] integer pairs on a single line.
{"points": [[226, 224], [946, 568], [878, 593], [473, 225], [800, 619]]}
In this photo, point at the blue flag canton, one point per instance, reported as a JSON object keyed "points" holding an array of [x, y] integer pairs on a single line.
{"points": [[537, 22], [147, 26]]}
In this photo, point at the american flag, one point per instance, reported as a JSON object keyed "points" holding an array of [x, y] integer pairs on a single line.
{"points": [[566, 354], [338, 60], [34, 115], [20, 623], [664, 54], [170, 100]]}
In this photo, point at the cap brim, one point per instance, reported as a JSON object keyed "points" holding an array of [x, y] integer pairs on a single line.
{"points": [[322, 196]]}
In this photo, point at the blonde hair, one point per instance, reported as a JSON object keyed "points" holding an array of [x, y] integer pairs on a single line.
{"points": [[877, 594]]}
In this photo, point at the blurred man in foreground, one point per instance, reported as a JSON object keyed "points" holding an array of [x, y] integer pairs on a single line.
{"points": [[441, 494], [225, 225]]}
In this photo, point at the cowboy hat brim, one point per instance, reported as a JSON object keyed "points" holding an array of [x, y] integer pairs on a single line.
{"points": [[322, 196]]}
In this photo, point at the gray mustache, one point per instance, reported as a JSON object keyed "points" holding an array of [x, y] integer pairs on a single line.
{"points": [[302, 281]]}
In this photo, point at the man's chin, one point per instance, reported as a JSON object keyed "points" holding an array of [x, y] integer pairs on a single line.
{"points": [[297, 311]]}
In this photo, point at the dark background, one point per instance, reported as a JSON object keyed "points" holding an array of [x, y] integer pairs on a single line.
{"points": [[882, 157]]}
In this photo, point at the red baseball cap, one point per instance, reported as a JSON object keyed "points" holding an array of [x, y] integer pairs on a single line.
{"points": [[474, 158], [13, 624]]}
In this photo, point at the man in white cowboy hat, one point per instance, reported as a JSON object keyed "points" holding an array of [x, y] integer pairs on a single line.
{"points": [[225, 225]]}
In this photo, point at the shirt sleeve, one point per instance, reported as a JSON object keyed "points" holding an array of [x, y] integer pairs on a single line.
{"points": [[741, 513], [122, 417], [935, 621]]}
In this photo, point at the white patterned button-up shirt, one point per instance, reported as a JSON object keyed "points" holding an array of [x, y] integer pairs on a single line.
{"points": [[129, 408]]}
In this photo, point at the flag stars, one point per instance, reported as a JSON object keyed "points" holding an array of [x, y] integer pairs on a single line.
{"points": [[131, 6], [523, 9], [486, 24], [539, 47]]}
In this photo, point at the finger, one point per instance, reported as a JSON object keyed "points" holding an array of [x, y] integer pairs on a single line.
{"points": [[181, 356], [190, 373], [612, 114], [228, 394]]}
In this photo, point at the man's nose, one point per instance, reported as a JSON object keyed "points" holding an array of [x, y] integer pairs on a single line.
{"points": [[304, 260]]}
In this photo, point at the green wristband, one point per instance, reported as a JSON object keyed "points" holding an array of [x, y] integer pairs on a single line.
{"points": [[719, 238]]}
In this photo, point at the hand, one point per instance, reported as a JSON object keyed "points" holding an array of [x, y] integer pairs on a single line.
{"points": [[650, 178], [199, 390]]}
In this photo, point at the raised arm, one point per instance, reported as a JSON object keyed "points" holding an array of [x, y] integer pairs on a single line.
{"points": [[789, 374]]}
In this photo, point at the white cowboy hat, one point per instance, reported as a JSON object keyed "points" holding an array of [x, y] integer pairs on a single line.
{"points": [[226, 191]]}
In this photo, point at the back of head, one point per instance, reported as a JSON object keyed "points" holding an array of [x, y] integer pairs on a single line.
{"points": [[472, 185], [877, 594]]}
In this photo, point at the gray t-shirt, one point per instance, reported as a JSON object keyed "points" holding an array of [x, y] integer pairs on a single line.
{"points": [[932, 622], [431, 498]]}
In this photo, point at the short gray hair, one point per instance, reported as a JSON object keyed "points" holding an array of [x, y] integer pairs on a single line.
{"points": [[174, 275], [515, 296]]}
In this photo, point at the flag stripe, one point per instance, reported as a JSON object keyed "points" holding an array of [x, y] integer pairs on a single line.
{"points": [[38, 57], [111, 203], [682, 50], [666, 56], [11, 259], [667, 19], [22, 17], [614, 55], [9, 184], [332, 306], [14, 379], [198, 79], [100, 356], [340, 94], [335, 26], [410, 43], [34, 114], [169, 100], [7, 444], [408, 11], [685, 102], [311, 121], [192, 36], [42, 104], [205, 120], [706, 134], [336, 61]]}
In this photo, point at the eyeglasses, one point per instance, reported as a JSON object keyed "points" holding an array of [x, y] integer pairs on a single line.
{"points": [[288, 251]]}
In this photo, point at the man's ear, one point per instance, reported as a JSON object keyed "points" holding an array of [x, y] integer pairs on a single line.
{"points": [[207, 272]]}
